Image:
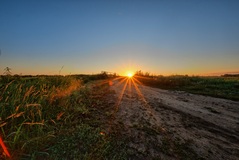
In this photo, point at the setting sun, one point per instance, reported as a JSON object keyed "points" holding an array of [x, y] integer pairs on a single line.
{"points": [[130, 75]]}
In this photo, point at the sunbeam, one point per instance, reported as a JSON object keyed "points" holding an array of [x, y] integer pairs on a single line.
{"points": [[137, 81], [139, 92], [131, 86], [121, 81], [121, 95]]}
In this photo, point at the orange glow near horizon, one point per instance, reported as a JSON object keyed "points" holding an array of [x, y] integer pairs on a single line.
{"points": [[120, 69]]}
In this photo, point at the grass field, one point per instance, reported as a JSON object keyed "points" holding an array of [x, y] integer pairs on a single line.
{"points": [[57, 117], [222, 87]]}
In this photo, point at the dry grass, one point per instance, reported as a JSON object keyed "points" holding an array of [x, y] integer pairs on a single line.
{"points": [[40, 115]]}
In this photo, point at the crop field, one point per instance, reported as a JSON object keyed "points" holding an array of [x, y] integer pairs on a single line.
{"points": [[89, 117]]}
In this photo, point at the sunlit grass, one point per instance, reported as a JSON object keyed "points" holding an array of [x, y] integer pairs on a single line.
{"points": [[28, 107], [36, 111]]}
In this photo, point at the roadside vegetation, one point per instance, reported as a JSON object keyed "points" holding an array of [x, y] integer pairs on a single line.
{"points": [[55, 117], [226, 86]]}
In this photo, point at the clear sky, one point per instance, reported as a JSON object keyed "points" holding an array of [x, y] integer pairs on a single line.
{"points": [[159, 36]]}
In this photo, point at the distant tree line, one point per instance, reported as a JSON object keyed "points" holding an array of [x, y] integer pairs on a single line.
{"points": [[146, 74], [141, 73], [230, 75]]}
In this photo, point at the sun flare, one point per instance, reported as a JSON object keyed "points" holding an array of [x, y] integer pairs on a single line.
{"points": [[130, 75]]}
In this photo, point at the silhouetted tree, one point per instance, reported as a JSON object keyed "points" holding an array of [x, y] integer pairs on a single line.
{"points": [[139, 73]]}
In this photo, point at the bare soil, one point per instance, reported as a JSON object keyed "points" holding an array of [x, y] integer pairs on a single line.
{"points": [[163, 124]]}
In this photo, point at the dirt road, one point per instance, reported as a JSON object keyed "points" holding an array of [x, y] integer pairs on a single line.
{"points": [[162, 124]]}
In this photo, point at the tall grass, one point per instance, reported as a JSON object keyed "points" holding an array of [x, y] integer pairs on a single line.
{"points": [[36, 111], [28, 109]]}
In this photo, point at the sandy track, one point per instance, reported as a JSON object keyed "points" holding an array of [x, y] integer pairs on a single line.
{"points": [[166, 124]]}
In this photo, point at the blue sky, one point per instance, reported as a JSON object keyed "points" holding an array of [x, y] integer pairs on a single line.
{"points": [[158, 36]]}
